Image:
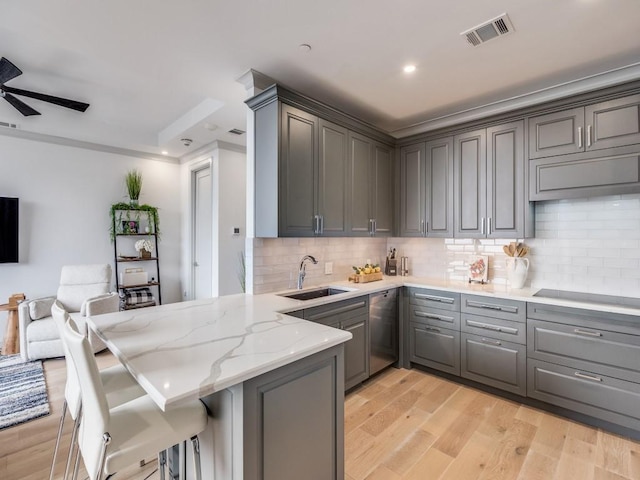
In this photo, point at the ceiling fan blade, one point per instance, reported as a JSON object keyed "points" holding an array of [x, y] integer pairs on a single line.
{"points": [[63, 102], [22, 107], [8, 70]]}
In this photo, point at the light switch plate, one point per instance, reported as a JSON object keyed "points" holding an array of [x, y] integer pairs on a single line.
{"points": [[328, 268]]}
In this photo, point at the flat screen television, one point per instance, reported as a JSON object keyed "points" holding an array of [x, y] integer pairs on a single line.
{"points": [[8, 230]]}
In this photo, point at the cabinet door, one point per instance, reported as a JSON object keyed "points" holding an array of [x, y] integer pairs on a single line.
{"points": [[435, 347], [439, 187], [412, 191], [360, 186], [494, 362], [470, 170], [614, 123], [298, 173], [332, 179], [356, 351], [556, 133], [382, 201], [505, 180]]}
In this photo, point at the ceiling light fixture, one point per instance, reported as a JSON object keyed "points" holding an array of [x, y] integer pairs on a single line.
{"points": [[305, 47], [409, 68], [186, 141], [164, 152]]}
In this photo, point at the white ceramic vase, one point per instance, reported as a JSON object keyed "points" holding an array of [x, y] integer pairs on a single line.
{"points": [[517, 270]]}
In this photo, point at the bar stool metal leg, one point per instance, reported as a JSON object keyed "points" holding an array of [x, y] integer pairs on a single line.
{"points": [[55, 449]]}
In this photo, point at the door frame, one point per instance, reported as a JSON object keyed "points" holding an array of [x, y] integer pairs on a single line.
{"points": [[196, 167]]}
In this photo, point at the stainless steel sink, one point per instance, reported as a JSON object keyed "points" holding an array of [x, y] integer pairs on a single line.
{"points": [[314, 293]]}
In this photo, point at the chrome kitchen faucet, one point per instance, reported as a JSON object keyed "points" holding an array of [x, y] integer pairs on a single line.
{"points": [[302, 271]]}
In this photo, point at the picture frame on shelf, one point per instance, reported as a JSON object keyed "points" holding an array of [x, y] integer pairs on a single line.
{"points": [[130, 227], [478, 268]]}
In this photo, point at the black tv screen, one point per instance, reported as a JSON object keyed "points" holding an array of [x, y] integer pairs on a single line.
{"points": [[8, 230]]}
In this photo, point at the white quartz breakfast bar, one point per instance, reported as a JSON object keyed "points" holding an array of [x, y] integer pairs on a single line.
{"points": [[274, 384]]}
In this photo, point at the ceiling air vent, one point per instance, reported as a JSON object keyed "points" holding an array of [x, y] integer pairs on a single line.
{"points": [[501, 25], [8, 125], [237, 131]]}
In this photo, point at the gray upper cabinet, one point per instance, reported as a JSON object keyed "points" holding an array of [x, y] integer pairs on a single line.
{"points": [[412, 191], [370, 178], [298, 173], [470, 170], [426, 189], [332, 182], [439, 187], [614, 123], [490, 182]]}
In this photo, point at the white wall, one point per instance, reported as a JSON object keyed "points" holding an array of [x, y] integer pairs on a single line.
{"points": [[65, 195]]}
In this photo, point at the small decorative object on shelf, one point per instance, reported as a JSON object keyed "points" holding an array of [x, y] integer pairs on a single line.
{"points": [[133, 181], [144, 248], [517, 265]]}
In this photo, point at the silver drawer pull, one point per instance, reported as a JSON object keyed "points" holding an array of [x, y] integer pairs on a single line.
{"points": [[490, 306], [490, 342], [586, 332], [495, 328], [434, 298], [588, 377], [433, 316], [432, 329]]}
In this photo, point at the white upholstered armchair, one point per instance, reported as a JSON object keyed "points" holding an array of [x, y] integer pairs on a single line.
{"points": [[83, 291]]}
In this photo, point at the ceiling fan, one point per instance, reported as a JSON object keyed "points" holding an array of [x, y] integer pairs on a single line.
{"points": [[9, 71]]}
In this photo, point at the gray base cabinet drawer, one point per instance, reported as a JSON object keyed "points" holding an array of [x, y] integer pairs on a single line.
{"points": [[494, 307], [494, 362], [606, 398], [434, 317], [494, 327], [607, 353], [338, 311], [433, 347], [434, 299]]}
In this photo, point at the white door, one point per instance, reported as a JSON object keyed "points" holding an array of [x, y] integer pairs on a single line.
{"points": [[202, 234]]}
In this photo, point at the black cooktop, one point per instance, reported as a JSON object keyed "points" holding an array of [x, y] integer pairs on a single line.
{"points": [[630, 302]]}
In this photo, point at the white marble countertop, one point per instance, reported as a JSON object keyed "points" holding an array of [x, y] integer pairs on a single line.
{"points": [[192, 349]]}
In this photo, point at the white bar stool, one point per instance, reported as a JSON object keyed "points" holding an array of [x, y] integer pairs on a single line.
{"points": [[119, 386], [112, 438]]}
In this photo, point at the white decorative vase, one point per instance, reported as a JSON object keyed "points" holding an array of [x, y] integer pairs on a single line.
{"points": [[517, 270]]}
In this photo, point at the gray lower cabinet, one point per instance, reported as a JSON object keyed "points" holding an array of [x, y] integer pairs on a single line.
{"points": [[493, 346], [489, 172], [353, 316], [494, 362], [585, 361], [613, 123], [434, 329], [370, 186]]}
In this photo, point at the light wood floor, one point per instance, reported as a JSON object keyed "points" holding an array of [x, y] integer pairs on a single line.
{"points": [[403, 424]]}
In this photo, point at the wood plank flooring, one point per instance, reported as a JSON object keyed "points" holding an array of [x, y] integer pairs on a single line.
{"points": [[401, 425]]}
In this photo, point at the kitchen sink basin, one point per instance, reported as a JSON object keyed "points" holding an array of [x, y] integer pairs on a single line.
{"points": [[314, 293]]}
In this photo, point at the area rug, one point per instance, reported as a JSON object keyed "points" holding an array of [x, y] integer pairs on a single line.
{"points": [[23, 392]]}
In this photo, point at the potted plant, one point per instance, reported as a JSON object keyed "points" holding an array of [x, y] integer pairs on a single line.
{"points": [[133, 181]]}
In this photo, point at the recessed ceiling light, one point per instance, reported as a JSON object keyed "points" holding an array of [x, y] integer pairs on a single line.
{"points": [[164, 152], [409, 68]]}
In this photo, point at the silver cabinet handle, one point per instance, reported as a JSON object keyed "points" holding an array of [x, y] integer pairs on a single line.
{"points": [[579, 137], [489, 341], [490, 306], [423, 231], [433, 316], [589, 136], [375, 226], [316, 226], [482, 226], [489, 226], [370, 226], [586, 332], [495, 328], [593, 378], [434, 298], [321, 224], [431, 329]]}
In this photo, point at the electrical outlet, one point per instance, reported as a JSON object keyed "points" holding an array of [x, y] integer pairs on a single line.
{"points": [[328, 268]]}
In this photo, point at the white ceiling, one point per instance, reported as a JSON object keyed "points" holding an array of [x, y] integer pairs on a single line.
{"points": [[156, 69]]}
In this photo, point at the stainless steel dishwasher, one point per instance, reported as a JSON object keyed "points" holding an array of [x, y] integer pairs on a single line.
{"points": [[383, 330]]}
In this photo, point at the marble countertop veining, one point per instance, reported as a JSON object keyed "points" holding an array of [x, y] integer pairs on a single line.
{"points": [[195, 348]]}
